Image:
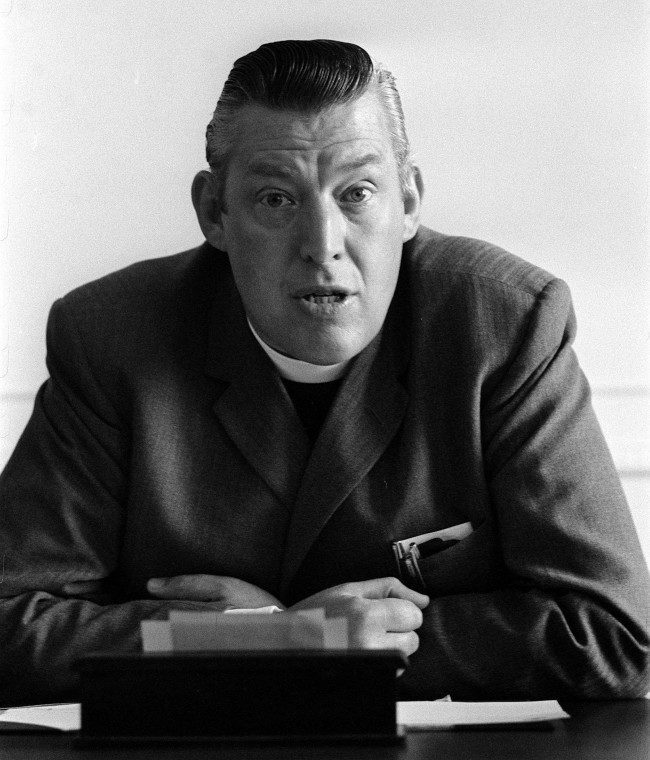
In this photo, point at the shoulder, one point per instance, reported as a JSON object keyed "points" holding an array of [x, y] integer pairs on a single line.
{"points": [[480, 303], [434, 258], [147, 284], [483, 280], [145, 312]]}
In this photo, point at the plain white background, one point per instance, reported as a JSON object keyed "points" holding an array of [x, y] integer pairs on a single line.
{"points": [[529, 120]]}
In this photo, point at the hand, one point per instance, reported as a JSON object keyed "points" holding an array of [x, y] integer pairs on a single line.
{"points": [[227, 592], [381, 613]]}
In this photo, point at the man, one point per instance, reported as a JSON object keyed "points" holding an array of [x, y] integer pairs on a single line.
{"points": [[262, 420]]}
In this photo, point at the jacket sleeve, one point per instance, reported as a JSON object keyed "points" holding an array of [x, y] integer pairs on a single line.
{"points": [[570, 617], [61, 520]]}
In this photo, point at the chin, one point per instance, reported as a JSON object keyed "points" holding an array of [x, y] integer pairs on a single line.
{"points": [[325, 361], [329, 354], [323, 345]]}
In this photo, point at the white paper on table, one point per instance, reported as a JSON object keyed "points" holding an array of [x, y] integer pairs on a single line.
{"points": [[335, 633], [65, 717], [156, 636], [206, 631], [247, 631], [424, 715], [413, 715]]}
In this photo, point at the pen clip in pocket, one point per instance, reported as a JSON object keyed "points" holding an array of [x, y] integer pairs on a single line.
{"points": [[410, 551]]}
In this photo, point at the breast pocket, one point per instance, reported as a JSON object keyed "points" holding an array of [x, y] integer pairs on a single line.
{"points": [[455, 560]]}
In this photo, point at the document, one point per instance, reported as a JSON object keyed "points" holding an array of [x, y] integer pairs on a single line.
{"points": [[427, 715], [64, 717], [207, 631]]}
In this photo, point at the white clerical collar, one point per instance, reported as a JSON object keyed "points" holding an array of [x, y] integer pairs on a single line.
{"points": [[299, 371]]}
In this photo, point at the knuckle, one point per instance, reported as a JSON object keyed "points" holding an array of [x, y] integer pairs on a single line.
{"points": [[409, 613], [364, 623], [358, 608], [347, 589], [392, 584], [368, 641], [364, 637]]}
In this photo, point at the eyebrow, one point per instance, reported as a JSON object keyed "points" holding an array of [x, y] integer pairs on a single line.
{"points": [[270, 169], [358, 163], [264, 168]]}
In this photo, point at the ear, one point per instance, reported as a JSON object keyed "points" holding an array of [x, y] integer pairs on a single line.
{"points": [[412, 203], [208, 211]]}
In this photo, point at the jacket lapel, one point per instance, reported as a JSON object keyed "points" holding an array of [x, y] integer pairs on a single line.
{"points": [[260, 419], [364, 418], [254, 409]]}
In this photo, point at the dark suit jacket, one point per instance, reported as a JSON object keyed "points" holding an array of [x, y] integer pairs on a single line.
{"points": [[164, 443]]}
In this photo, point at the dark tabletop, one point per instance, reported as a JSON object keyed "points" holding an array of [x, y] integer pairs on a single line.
{"points": [[618, 730]]}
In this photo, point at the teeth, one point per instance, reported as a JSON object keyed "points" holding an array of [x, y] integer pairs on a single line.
{"points": [[313, 298]]}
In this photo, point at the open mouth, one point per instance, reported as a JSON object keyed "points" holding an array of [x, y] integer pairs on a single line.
{"points": [[324, 297]]}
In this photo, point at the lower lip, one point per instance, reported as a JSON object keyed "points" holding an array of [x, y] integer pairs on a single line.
{"points": [[325, 310]]}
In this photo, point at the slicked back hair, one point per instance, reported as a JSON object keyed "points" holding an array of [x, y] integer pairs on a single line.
{"points": [[305, 76]]}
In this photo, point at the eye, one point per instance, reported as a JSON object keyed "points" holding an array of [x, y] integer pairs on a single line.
{"points": [[358, 194], [275, 199]]}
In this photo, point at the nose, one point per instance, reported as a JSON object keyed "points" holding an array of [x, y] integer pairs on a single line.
{"points": [[322, 232]]}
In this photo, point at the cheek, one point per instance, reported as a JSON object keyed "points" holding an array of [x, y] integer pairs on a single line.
{"points": [[260, 280], [380, 232], [377, 251], [251, 257], [253, 274]]}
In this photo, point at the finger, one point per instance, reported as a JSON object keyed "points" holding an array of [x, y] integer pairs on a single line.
{"points": [[371, 622], [370, 637], [198, 588], [400, 615], [381, 588], [396, 589], [407, 642]]}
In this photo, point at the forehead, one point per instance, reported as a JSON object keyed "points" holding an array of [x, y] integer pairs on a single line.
{"points": [[343, 131]]}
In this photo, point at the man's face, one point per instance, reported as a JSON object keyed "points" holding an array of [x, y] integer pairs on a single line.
{"points": [[314, 224]]}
